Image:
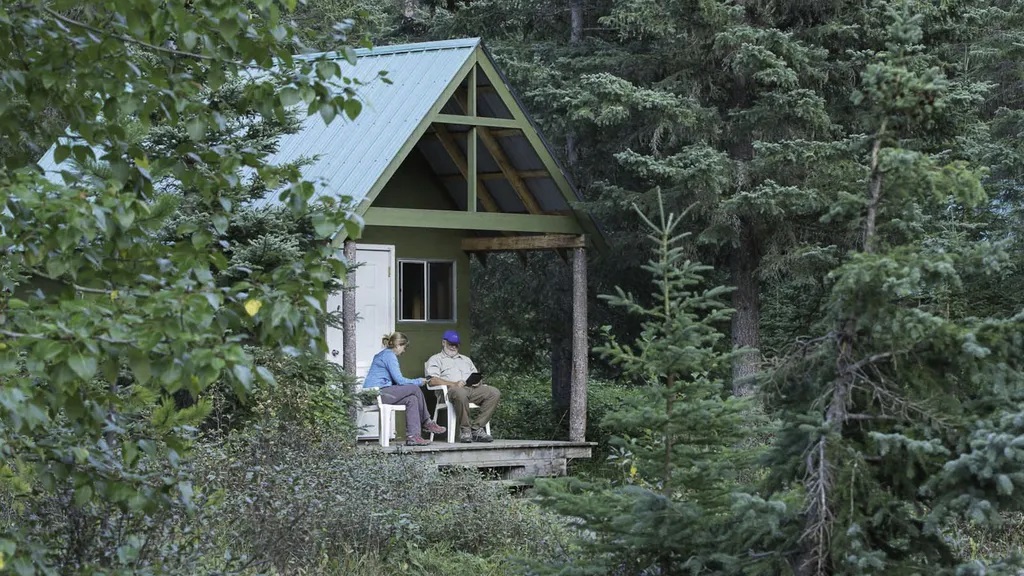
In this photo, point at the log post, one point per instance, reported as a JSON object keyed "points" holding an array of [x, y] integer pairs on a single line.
{"points": [[348, 311], [578, 398]]}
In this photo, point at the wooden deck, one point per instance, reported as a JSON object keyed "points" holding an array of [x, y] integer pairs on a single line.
{"points": [[509, 460]]}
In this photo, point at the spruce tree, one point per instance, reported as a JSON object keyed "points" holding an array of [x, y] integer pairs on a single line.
{"points": [[260, 234], [994, 53], [676, 444], [724, 106], [898, 418]]}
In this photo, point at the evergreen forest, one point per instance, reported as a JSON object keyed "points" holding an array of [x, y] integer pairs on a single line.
{"points": [[806, 345]]}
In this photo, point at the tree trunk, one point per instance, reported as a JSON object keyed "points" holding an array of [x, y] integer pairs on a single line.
{"points": [[874, 191], [744, 261], [558, 325], [746, 300], [575, 38], [575, 21]]}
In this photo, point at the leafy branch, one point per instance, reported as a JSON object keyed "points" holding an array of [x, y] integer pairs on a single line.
{"points": [[131, 40]]}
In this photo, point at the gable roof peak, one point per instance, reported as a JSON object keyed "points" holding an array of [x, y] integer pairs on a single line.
{"points": [[456, 44]]}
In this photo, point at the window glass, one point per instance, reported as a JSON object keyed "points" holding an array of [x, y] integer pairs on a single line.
{"points": [[442, 290], [412, 287], [427, 290]]}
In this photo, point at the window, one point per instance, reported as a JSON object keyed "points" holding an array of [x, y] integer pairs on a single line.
{"points": [[427, 291]]}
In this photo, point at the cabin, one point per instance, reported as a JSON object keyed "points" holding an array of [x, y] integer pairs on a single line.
{"points": [[442, 164]]}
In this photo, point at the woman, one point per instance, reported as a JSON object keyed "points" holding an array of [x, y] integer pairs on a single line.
{"points": [[385, 374]]}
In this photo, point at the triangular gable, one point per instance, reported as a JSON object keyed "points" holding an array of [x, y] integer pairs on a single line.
{"points": [[512, 145]]}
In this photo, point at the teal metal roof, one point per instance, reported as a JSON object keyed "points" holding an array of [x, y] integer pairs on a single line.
{"points": [[419, 73], [349, 157]]}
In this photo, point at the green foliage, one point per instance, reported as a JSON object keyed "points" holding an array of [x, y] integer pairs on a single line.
{"points": [[85, 535], [525, 410], [279, 498], [311, 393], [91, 281], [978, 542], [899, 418], [292, 499], [425, 560], [737, 114], [511, 342], [744, 110], [81, 533], [679, 440], [317, 22], [146, 301]]}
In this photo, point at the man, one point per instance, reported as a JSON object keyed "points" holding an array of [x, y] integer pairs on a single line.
{"points": [[454, 369]]}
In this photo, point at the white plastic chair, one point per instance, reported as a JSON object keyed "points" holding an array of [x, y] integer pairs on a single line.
{"points": [[445, 403], [387, 418]]}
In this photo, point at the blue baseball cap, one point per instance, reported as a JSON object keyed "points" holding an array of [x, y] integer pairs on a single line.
{"points": [[451, 336]]}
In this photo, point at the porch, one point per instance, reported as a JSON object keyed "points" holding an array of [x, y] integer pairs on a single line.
{"points": [[512, 462]]}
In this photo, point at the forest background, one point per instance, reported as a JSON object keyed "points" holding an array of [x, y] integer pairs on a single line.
{"points": [[836, 391]]}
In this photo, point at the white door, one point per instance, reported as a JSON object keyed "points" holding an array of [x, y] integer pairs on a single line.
{"points": [[375, 316], [375, 306]]}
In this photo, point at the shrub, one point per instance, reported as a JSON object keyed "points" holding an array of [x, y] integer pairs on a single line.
{"points": [[282, 490], [975, 542], [309, 391], [76, 535], [295, 499], [74, 532]]}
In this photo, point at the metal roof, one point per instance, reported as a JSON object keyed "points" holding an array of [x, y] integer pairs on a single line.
{"points": [[350, 157], [52, 170], [352, 154]]}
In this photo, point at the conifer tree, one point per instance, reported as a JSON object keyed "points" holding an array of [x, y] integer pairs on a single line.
{"points": [[898, 418], [261, 235], [723, 106], [669, 511], [994, 51]]}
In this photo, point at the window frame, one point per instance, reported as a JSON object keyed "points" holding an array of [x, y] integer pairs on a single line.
{"points": [[426, 262]]}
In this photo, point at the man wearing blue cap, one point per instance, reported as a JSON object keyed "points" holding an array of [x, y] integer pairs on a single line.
{"points": [[464, 387]]}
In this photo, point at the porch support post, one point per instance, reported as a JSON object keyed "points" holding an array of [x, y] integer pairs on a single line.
{"points": [[578, 383], [471, 177], [348, 311]]}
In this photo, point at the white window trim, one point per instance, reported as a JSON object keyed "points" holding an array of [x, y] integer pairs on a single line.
{"points": [[426, 290]]}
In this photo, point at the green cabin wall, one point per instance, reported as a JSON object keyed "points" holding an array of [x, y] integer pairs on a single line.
{"points": [[415, 186]]}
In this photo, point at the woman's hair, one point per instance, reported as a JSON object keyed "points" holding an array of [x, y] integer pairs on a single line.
{"points": [[393, 340]]}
